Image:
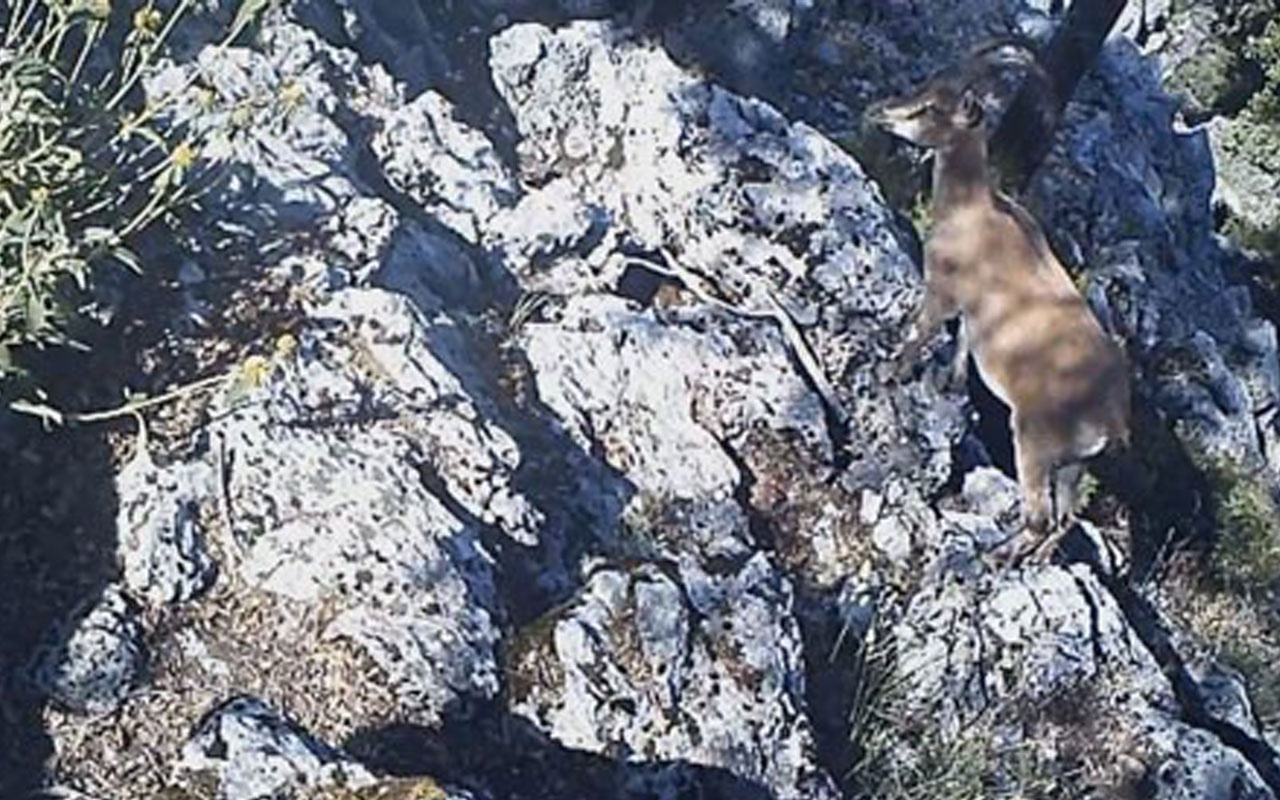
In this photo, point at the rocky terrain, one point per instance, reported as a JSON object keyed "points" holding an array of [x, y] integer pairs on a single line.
{"points": [[557, 455]]}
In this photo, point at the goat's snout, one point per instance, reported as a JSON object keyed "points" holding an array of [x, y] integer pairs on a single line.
{"points": [[874, 118], [875, 115]]}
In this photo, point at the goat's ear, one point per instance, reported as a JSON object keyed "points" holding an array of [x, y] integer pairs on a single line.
{"points": [[969, 110]]}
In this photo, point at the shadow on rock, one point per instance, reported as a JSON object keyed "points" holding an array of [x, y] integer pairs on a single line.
{"points": [[489, 750], [58, 539], [432, 45], [445, 47]]}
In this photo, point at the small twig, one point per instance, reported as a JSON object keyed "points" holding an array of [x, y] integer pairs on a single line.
{"points": [[62, 793], [706, 291], [54, 416], [223, 478]]}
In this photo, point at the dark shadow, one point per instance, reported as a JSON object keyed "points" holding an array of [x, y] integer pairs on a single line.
{"points": [[1168, 499], [58, 546], [992, 424], [445, 47], [495, 753], [835, 680], [58, 503], [578, 494]]}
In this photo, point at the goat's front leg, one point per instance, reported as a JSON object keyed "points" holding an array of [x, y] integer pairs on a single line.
{"points": [[959, 372], [935, 310]]}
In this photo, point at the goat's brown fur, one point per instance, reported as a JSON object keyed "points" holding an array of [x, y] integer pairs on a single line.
{"points": [[1034, 339]]}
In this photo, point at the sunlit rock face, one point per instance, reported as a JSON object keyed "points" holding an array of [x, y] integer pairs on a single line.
{"points": [[572, 465]]}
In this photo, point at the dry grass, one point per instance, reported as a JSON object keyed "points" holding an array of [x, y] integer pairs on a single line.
{"points": [[254, 643], [1234, 631]]}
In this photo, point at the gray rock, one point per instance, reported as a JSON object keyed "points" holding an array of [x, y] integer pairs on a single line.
{"points": [[662, 665], [1192, 763], [679, 390], [91, 666], [1023, 636], [981, 652], [162, 541], [991, 493], [768, 213], [1147, 22], [449, 170], [1226, 698], [252, 753], [350, 519], [1246, 155]]}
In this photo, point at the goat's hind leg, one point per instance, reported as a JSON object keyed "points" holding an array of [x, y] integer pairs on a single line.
{"points": [[1035, 469], [1066, 485]]}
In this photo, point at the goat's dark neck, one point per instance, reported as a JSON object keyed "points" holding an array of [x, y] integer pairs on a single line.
{"points": [[960, 174]]}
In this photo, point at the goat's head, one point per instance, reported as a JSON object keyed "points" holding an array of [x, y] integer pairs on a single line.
{"points": [[949, 105], [931, 116]]}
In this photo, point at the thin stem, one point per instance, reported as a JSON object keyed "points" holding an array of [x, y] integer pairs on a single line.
{"points": [[132, 80], [54, 27], [16, 28], [91, 37], [133, 407]]}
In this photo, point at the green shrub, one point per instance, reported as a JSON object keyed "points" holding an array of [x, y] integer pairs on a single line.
{"points": [[1265, 51], [890, 764], [83, 164], [1246, 555]]}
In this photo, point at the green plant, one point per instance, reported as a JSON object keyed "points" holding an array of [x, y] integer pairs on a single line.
{"points": [[1265, 51], [85, 161], [1235, 631], [1229, 607], [921, 214], [888, 762], [80, 173], [1256, 659], [952, 768], [1246, 555], [872, 734]]}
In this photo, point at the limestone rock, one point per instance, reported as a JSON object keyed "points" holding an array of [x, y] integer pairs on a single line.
{"points": [[252, 753], [163, 547], [91, 667]]}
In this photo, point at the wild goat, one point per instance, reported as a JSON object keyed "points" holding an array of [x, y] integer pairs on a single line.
{"points": [[1036, 343]]}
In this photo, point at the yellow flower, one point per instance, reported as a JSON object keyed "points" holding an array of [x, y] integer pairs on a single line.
{"points": [[183, 156], [286, 345], [206, 98], [147, 20], [292, 94], [241, 116], [255, 370]]}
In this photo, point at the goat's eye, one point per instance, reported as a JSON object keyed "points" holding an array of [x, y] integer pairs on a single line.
{"points": [[920, 111]]}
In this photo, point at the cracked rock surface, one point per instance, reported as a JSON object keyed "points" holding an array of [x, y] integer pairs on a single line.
{"points": [[570, 465]]}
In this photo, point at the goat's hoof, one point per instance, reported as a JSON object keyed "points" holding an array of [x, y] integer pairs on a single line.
{"points": [[1012, 552], [1048, 546], [904, 365]]}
